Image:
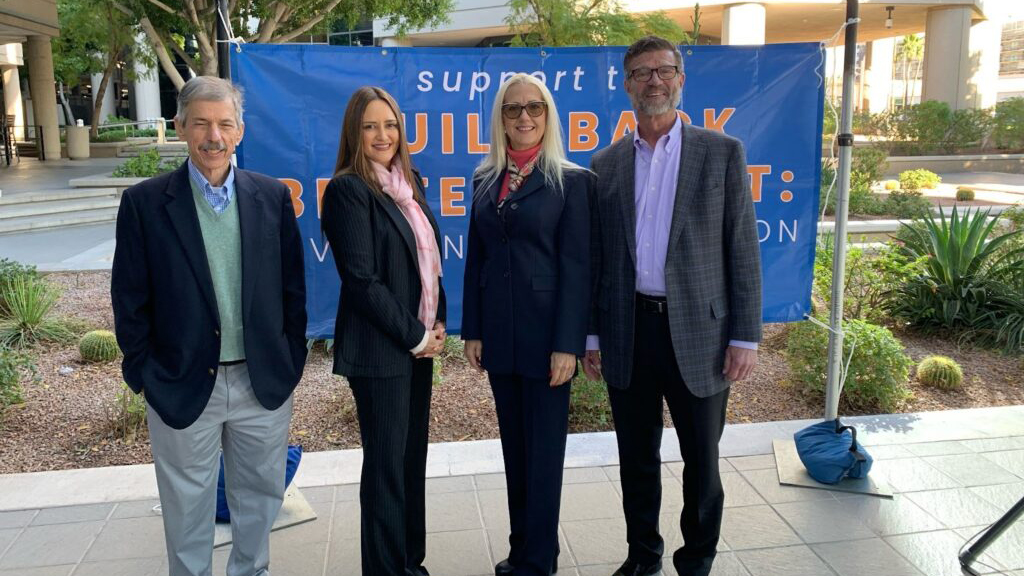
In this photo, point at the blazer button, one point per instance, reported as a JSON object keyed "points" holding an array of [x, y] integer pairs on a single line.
{"points": [[515, 206], [504, 240], [216, 332], [212, 371], [506, 273]]}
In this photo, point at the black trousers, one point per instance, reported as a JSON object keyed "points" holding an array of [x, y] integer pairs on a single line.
{"points": [[394, 414], [533, 419], [699, 422]]}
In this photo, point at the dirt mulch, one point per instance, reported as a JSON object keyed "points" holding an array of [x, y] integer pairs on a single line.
{"points": [[65, 420]]}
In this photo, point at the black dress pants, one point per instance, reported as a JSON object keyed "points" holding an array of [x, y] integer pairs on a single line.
{"points": [[533, 419], [394, 414], [699, 422]]}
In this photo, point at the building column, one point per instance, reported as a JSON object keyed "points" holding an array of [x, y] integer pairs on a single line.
{"points": [[146, 89], [984, 46], [13, 105], [44, 95], [947, 59], [878, 91], [743, 24]]}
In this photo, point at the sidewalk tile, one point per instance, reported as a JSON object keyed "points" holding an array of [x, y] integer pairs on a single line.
{"points": [[299, 559], [135, 509], [668, 526], [887, 517], [789, 561], [452, 511], [344, 558], [1003, 496], [739, 492], [17, 518], [345, 521], [956, 508], [590, 501], [346, 493], [6, 537], [583, 475], [1007, 550], [601, 541], [50, 545], [450, 484], [766, 482], [133, 567], [70, 514], [494, 508], [995, 444], [938, 448], [971, 469], [490, 481], [726, 564], [912, 475], [864, 557], [888, 452], [129, 538], [1012, 460], [756, 527], [818, 522], [935, 553], [460, 553], [43, 571], [318, 494], [753, 462], [308, 532], [497, 540]]}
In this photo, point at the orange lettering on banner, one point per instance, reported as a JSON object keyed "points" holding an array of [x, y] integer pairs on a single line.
{"points": [[447, 133], [321, 186], [420, 144], [757, 173], [295, 188], [626, 123], [449, 196], [717, 123], [582, 131], [685, 117], [473, 144]]}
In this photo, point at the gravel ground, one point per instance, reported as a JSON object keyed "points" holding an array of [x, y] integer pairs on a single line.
{"points": [[66, 419]]}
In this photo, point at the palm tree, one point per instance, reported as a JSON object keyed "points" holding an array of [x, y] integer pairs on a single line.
{"points": [[910, 50]]}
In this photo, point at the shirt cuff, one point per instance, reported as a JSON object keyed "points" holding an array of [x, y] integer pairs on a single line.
{"points": [[593, 343], [743, 344], [423, 343]]}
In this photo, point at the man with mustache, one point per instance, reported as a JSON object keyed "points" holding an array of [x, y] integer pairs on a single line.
{"points": [[677, 303], [209, 308]]}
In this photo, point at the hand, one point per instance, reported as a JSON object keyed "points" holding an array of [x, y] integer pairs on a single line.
{"points": [[435, 343], [439, 327], [592, 365], [739, 363], [472, 351], [562, 367]]}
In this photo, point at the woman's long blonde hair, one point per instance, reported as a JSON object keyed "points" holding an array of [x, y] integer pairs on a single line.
{"points": [[551, 161]]}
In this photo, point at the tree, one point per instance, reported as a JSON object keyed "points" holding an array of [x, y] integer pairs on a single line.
{"points": [[590, 23], [168, 22], [95, 38], [911, 49]]}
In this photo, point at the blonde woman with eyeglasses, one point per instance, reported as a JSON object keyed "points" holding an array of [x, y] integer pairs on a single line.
{"points": [[525, 307]]}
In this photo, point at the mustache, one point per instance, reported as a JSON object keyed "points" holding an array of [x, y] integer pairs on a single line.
{"points": [[213, 147]]}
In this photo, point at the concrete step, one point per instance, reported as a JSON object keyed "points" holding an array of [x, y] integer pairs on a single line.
{"points": [[58, 220], [58, 207], [55, 195]]}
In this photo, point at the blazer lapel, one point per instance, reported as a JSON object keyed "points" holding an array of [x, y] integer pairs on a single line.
{"points": [[625, 186], [251, 224], [404, 229], [181, 208], [690, 169], [533, 182]]}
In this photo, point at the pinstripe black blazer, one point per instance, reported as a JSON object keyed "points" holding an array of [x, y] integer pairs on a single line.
{"points": [[712, 265], [375, 253]]}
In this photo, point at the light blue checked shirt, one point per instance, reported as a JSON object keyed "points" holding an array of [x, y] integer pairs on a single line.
{"points": [[219, 197]]}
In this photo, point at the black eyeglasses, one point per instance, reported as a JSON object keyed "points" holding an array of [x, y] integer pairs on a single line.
{"points": [[513, 111], [644, 74]]}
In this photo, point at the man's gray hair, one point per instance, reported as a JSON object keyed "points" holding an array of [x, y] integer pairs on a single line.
{"points": [[208, 89]]}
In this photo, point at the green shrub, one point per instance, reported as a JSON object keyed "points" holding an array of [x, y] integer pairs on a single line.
{"points": [[146, 165], [9, 270], [113, 119], [931, 127], [589, 409], [13, 367], [915, 180], [98, 346], [1015, 214], [941, 372], [866, 168], [967, 129], [891, 185], [906, 205], [878, 369], [127, 414], [869, 278], [964, 194], [1008, 120], [29, 302], [112, 136]]}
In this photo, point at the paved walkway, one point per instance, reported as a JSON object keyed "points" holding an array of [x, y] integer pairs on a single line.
{"points": [[955, 472]]}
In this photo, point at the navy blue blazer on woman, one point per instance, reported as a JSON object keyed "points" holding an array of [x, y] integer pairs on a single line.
{"points": [[527, 279]]}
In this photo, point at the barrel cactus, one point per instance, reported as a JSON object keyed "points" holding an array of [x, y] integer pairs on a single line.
{"points": [[964, 194], [941, 372], [98, 346]]}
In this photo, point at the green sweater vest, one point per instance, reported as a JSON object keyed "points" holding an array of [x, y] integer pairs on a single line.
{"points": [[222, 239]]}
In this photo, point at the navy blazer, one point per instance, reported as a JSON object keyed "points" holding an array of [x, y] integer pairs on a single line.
{"points": [[374, 251], [527, 279], [165, 310]]}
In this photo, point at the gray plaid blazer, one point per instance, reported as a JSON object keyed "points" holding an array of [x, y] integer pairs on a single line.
{"points": [[713, 262]]}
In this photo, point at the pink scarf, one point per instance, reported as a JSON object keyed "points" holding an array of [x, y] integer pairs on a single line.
{"points": [[400, 190]]}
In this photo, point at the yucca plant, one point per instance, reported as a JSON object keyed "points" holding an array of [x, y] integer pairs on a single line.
{"points": [[29, 301]]}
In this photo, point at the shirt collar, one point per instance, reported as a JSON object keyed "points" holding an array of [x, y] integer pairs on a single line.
{"points": [[204, 184], [672, 139]]}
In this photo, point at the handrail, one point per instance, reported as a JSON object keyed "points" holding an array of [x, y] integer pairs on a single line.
{"points": [[161, 127]]}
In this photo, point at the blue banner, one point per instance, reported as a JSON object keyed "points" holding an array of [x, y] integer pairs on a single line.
{"points": [[770, 97]]}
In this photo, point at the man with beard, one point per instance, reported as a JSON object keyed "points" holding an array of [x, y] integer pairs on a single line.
{"points": [[209, 308], [677, 303]]}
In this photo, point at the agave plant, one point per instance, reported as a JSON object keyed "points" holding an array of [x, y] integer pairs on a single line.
{"points": [[29, 301]]}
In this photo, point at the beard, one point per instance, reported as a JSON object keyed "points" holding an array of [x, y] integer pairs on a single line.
{"points": [[675, 96]]}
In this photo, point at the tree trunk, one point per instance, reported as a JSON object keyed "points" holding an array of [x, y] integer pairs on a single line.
{"points": [[97, 104], [166, 63], [906, 82]]}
